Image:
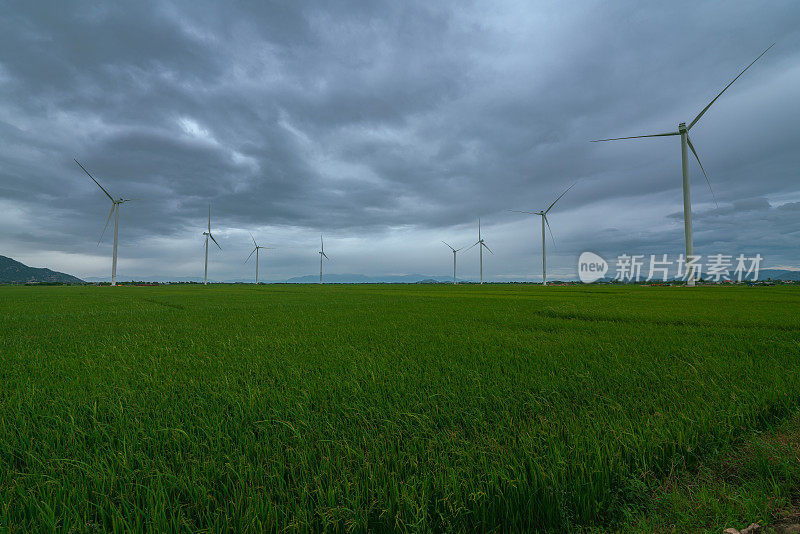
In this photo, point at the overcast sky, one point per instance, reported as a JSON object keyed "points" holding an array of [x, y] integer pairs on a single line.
{"points": [[390, 126]]}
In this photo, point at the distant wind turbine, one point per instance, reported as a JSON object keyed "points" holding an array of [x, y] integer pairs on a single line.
{"points": [[543, 214], [683, 131], [455, 250], [114, 210], [256, 249], [321, 255], [208, 235], [482, 245]]}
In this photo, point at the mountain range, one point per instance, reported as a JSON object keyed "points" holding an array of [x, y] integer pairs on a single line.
{"points": [[778, 274], [364, 279], [308, 279], [14, 272], [353, 278]]}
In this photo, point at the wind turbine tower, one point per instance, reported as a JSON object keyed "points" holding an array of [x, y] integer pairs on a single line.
{"points": [[208, 235], [543, 214], [321, 255], [256, 249], [115, 202], [455, 250], [686, 142], [481, 247]]}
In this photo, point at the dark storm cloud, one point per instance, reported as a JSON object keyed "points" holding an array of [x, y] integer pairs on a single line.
{"points": [[387, 121]]}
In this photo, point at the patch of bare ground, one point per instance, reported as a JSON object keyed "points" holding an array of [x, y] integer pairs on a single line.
{"points": [[787, 524]]}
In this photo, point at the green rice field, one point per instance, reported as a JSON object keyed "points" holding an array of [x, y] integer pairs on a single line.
{"points": [[376, 407]]}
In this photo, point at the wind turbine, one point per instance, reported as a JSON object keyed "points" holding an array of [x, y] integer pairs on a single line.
{"points": [[543, 214], [454, 260], [114, 210], [321, 255], [208, 234], [482, 244], [683, 131], [256, 249]]}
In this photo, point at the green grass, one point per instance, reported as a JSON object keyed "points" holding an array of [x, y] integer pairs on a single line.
{"points": [[377, 407], [754, 481]]}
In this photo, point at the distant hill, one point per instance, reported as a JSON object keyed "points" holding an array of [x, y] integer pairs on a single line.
{"points": [[308, 279], [777, 274], [14, 272], [364, 279], [763, 274], [161, 279], [773, 274]]}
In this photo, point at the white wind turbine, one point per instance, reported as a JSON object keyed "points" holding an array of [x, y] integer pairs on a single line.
{"points": [[683, 131], [482, 245], [321, 255], [455, 250], [256, 249], [115, 211], [208, 235], [543, 214]]}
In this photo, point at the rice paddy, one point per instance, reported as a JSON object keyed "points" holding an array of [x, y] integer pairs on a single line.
{"points": [[382, 407]]}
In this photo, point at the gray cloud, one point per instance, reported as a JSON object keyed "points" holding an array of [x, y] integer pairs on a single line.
{"points": [[390, 126]]}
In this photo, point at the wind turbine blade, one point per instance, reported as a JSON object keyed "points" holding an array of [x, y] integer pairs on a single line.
{"points": [[636, 137], [726, 88], [326, 256], [215, 241], [446, 243], [522, 211], [248, 257], [209, 218], [487, 247], [551, 230], [559, 197], [691, 146], [110, 213], [253, 238], [95, 181], [476, 242]]}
